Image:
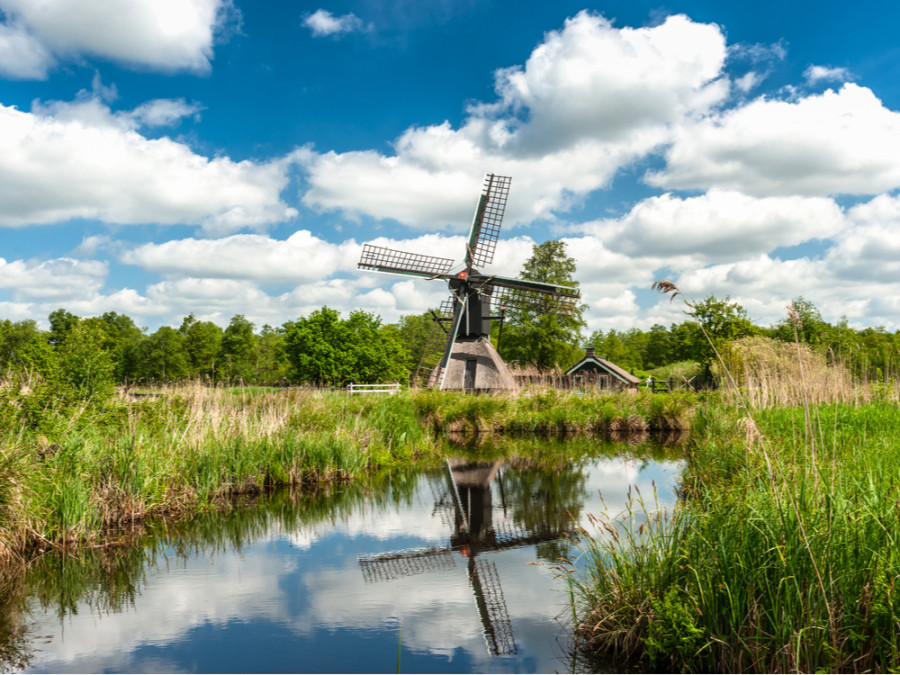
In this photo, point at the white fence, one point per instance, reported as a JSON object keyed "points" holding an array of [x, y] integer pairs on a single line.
{"points": [[373, 388]]}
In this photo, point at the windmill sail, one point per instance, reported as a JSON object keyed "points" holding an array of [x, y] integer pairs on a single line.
{"points": [[486, 224], [383, 259], [532, 296], [498, 631], [435, 346], [389, 566]]}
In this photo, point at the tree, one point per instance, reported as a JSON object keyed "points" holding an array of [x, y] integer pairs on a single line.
{"points": [[123, 342], [61, 324], [803, 317], [414, 330], [14, 340], [658, 347], [313, 346], [544, 340], [202, 342], [164, 358], [376, 352], [609, 346], [325, 350], [237, 353], [84, 365], [723, 321], [271, 362]]}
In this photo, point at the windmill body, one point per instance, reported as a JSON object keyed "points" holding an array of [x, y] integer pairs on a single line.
{"points": [[459, 353]]}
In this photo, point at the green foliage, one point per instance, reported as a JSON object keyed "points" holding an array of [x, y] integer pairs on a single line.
{"points": [[723, 321], [672, 633], [315, 347], [414, 331], [163, 357], [237, 351], [202, 341], [682, 373], [271, 360], [391, 352], [324, 349], [123, 344], [375, 352], [782, 556], [61, 324], [24, 348], [85, 367], [539, 339]]}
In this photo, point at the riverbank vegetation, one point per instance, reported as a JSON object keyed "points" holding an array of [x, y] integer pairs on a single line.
{"points": [[782, 555], [71, 466]]}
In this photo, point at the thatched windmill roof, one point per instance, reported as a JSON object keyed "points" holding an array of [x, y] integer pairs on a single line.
{"points": [[490, 372]]}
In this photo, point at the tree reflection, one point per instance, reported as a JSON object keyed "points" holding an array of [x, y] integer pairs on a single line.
{"points": [[15, 646]]}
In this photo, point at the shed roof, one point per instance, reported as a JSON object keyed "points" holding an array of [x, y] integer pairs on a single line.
{"points": [[604, 365]]}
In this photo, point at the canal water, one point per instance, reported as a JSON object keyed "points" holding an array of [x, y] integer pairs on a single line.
{"points": [[443, 570]]}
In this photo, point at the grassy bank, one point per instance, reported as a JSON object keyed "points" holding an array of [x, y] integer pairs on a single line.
{"points": [[70, 468], [549, 411], [783, 557]]}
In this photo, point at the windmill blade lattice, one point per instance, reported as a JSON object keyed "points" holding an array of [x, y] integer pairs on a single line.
{"points": [[498, 632], [488, 218], [383, 259], [428, 371], [389, 566], [560, 300]]}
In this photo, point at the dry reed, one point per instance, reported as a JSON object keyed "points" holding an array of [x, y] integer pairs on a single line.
{"points": [[774, 373]]}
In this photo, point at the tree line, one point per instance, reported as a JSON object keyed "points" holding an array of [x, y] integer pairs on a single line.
{"points": [[871, 354], [327, 350], [322, 349]]}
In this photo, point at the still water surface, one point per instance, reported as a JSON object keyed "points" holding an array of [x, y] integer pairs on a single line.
{"points": [[437, 562]]}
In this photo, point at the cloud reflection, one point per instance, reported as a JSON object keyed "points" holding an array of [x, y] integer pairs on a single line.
{"points": [[306, 583]]}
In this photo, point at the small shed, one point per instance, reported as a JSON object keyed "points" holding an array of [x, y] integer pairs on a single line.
{"points": [[605, 373]]}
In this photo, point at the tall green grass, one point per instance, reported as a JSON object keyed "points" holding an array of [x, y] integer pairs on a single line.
{"points": [[550, 411], [783, 555], [68, 471], [70, 468]]}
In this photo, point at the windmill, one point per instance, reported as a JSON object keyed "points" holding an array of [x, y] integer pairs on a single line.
{"points": [[459, 353], [464, 502]]}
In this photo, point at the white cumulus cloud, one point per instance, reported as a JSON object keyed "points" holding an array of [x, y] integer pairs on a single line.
{"points": [[838, 142], [302, 257], [164, 111], [323, 23], [719, 225], [80, 161], [589, 100], [815, 74], [22, 56], [57, 280], [167, 35]]}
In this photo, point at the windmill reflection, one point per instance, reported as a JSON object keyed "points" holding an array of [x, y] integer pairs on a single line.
{"points": [[465, 502]]}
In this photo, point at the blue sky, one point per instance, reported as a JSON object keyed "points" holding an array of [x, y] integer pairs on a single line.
{"points": [[216, 157]]}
